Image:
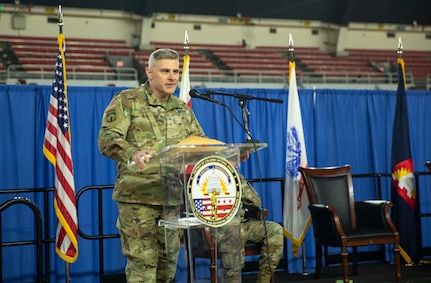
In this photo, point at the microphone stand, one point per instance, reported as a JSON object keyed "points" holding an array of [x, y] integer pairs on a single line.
{"points": [[245, 112], [242, 103]]}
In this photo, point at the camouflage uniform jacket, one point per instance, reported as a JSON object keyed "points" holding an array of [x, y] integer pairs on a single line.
{"points": [[135, 119]]}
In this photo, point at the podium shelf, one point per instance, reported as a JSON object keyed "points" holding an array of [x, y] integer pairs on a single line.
{"points": [[185, 222]]}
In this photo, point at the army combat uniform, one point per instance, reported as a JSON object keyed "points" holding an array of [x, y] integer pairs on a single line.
{"points": [[268, 233], [134, 120]]}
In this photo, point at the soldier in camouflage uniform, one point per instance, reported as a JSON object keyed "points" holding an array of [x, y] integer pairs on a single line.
{"points": [[137, 123], [269, 233]]}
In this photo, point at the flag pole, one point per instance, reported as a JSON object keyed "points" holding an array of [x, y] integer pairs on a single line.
{"points": [[400, 58], [60, 19], [60, 30], [291, 49], [186, 43], [185, 78], [291, 58], [400, 48]]}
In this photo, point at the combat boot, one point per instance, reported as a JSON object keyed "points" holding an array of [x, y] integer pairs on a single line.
{"points": [[264, 276]]}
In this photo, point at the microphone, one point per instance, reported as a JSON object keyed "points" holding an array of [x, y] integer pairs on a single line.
{"points": [[197, 94]]}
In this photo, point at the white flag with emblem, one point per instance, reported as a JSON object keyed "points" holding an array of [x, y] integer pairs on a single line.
{"points": [[296, 216]]}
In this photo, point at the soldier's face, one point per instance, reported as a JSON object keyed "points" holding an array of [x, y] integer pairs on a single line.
{"points": [[163, 76]]}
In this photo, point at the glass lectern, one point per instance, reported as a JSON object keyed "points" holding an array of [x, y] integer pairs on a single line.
{"points": [[202, 193]]}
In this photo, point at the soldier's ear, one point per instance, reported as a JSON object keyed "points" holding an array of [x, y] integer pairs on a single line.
{"points": [[149, 73]]}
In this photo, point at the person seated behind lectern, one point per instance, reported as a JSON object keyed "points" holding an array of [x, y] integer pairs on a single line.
{"points": [[268, 233]]}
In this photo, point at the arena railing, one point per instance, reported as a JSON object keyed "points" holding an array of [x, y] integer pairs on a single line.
{"points": [[17, 72], [428, 82], [73, 72]]}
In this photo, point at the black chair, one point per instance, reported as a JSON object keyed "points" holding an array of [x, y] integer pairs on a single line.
{"points": [[339, 221]]}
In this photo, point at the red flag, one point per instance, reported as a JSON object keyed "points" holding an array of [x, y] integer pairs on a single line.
{"points": [[57, 149], [403, 183]]}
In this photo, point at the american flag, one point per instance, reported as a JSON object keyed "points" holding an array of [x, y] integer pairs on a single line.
{"points": [[224, 206], [57, 149]]}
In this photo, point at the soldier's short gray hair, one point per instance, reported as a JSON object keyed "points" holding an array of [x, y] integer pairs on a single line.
{"points": [[164, 53]]}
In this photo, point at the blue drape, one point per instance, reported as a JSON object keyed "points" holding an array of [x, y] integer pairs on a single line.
{"points": [[341, 127]]}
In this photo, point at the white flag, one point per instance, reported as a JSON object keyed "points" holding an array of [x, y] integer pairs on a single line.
{"points": [[185, 82], [296, 216]]}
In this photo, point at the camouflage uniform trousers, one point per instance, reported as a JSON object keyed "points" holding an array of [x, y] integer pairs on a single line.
{"points": [[272, 248], [143, 243]]}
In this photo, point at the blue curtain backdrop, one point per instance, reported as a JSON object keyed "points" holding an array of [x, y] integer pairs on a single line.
{"points": [[341, 127]]}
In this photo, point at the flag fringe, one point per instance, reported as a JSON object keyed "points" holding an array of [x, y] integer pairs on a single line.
{"points": [[405, 256], [296, 243]]}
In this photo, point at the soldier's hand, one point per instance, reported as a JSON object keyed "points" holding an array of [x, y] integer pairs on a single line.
{"points": [[244, 157], [141, 157]]}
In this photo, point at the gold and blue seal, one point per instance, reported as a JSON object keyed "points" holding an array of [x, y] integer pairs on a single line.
{"points": [[214, 191]]}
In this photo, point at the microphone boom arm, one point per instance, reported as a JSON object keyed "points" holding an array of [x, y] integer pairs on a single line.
{"points": [[243, 96], [242, 103]]}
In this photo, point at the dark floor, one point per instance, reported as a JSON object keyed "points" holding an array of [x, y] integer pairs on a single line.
{"points": [[368, 273]]}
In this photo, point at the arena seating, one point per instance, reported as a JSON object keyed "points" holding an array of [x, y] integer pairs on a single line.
{"points": [[35, 54], [311, 61], [416, 62], [199, 64], [272, 61], [228, 60], [253, 61]]}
